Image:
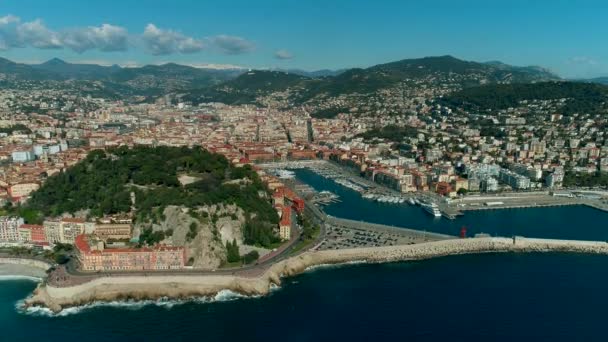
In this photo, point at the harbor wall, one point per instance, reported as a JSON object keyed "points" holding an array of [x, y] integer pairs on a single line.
{"points": [[187, 286]]}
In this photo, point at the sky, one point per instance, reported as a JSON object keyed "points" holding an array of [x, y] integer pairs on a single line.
{"points": [[567, 37]]}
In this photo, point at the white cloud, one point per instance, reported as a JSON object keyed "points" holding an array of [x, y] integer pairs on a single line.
{"points": [[105, 38], [8, 32], [9, 19], [36, 34], [283, 54], [164, 42], [231, 45], [583, 60]]}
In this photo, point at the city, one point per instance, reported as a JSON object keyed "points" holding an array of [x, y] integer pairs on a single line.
{"points": [[162, 179]]}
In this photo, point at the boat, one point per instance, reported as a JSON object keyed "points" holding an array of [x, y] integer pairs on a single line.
{"points": [[401, 200], [431, 208], [284, 174], [411, 201]]}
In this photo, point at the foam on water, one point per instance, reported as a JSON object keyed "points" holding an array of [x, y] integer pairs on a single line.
{"points": [[222, 296], [19, 277], [326, 266]]}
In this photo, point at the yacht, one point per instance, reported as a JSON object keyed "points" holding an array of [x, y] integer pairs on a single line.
{"points": [[431, 208], [411, 201]]}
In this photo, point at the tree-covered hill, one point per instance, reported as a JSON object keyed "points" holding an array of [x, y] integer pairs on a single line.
{"points": [[579, 97], [104, 180], [248, 86]]}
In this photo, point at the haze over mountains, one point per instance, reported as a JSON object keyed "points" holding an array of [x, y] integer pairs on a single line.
{"points": [[244, 86]]}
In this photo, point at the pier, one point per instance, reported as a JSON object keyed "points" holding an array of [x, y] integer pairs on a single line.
{"points": [[367, 226]]}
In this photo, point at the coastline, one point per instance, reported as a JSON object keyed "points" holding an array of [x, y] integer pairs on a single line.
{"points": [[153, 287], [16, 268]]}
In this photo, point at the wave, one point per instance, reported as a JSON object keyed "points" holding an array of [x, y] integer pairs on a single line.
{"points": [[326, 266], [222, 296], [19, 277]]}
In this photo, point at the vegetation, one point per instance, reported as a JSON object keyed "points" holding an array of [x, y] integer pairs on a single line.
{"points": [[104, 181], [15, 128], [390, 132], [581, 97], [193, 230], [329, 113], [232, 252], [259, 233], [309, 234], [150, 237], [250, 257], [586, 179]]}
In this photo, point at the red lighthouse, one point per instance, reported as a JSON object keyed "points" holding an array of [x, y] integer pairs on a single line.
{"points": [[463, 232]]}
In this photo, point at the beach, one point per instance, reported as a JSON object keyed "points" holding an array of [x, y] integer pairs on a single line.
{"points": [[186, 286]]}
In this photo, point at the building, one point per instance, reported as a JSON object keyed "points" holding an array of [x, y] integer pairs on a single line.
{"points": [[285, 224], [113, 231], [23, 156], [33, 234], [514, 180], [9, 228], [20, 190], [93, 256], [489, 184], [64, 230]]}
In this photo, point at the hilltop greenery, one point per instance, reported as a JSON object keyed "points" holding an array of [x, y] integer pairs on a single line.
{"points": [[580, 97], [104, 181], [329, 113], [15, 128], [391, 132], [248, 86]]}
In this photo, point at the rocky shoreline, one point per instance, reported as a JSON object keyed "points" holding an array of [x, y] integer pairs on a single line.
{"points": [[188, 286]]}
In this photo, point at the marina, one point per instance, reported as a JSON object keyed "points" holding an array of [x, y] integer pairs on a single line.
{"points": [[561, 222]]}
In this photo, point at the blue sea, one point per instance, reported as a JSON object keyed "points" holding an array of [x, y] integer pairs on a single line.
{"points": [[490, 297]]}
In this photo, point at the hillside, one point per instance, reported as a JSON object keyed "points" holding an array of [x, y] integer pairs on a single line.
{"points": [[248, 86], [150, 80], [578, 97], [103, 183], [409, 72], [235, 86]]}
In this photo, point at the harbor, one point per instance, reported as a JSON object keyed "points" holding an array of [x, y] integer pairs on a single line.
{"points": [[435, 205], [560, 222]]}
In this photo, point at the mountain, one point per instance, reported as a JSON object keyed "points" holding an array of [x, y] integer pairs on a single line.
{"points": [[238, 86], [12, 70], [248, 86], [315, 73], [67, 70], [600, 80], [581, 97], [442, 70], [150, 80]]}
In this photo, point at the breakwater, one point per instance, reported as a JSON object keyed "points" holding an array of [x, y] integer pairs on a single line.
{"points": [[185, 286]]}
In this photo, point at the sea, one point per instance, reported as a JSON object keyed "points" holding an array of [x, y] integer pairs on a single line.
{"points": [[489, 297]]}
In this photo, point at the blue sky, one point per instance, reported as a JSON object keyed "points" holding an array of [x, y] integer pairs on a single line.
{"points": [[569, 37]]}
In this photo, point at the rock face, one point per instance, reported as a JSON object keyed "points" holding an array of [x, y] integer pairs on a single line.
{"points": [[204, 231]]}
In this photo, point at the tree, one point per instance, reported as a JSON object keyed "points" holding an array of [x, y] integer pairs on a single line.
{"points": [[462, 191], [232, 251], [251, 257]]}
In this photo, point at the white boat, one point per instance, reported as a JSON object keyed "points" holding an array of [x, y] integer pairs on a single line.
{"points": [[401, 200], [284, 174], [431, 208], [411, 201]]}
